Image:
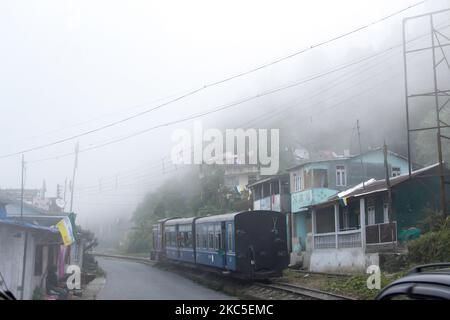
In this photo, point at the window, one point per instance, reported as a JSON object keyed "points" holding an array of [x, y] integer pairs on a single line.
{"points": [[189, 239], [266, 190], [38, 260], [230, 238], [167, 237], [385, 213], [204, 237], [173, 239], [371, 215], [395, 171], [257, 193], [197, 239], [275, 187], [297, 182], [210, 237], [216, 239], [341, 176]]}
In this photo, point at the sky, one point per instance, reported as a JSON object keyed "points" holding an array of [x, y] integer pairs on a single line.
{"points": [[68, 67]]}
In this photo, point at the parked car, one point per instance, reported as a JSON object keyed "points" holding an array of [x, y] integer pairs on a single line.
{"points": [[424, 282]]}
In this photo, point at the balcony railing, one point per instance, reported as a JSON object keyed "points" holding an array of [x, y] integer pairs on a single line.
{"points": [[381, 233], [345, 239], [349, 239], [325, 240]]}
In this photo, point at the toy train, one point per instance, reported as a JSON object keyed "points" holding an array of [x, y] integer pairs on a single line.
{"points": [[248, 244]]}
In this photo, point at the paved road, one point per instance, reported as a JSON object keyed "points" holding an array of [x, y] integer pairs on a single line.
{"points": [[137, 281]]}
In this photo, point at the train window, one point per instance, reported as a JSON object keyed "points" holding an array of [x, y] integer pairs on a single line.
{"points": [[179, 239], [197, 239], [230, 238], [217, 236], [216, 240], [173, 238], [155, 239], [205, 237], [219, 241], [210, 237], [167, 237], [189, 239]]}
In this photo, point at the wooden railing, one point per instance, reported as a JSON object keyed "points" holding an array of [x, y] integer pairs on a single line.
{"points": [[381, 233]]}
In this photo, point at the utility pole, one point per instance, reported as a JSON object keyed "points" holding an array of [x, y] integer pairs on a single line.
{"points": [[25, 244], [65, 191], [22, 186], [360, 154], [389, 190], [73, 176]]}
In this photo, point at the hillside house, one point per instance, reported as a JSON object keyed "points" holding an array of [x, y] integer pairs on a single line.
{"points": [[350, 229], [313, 182]]}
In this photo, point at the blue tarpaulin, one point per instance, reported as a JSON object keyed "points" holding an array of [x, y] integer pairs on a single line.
{"points": [[22, 224]]}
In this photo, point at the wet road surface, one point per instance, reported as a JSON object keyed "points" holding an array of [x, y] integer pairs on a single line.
{"points": [[137, 281]]}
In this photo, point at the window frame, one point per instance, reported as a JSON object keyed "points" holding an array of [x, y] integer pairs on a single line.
{"points": [[371, 216], [230, 238], [341, 176]]}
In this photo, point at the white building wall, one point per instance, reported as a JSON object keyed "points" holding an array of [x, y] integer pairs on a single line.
{"points": [[29, 268], [11, 254], [345, 260], [12, 241]]}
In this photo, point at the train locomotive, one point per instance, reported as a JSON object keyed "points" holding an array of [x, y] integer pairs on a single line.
{"points": [[248, 244]]}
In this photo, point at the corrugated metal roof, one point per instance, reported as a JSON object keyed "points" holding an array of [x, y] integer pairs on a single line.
{"points": [[381, 185], [271, 178], [26, 225], [341, 158]]}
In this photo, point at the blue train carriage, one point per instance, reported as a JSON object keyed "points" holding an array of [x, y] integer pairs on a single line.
{"points": [[179, 235], [158, 251], [252, 244]]}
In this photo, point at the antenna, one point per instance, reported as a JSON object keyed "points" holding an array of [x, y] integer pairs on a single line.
{"points": [[360, 154], [73, 177]]}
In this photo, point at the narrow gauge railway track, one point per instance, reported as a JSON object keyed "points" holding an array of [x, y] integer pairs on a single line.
{"points": [[303, 292]]}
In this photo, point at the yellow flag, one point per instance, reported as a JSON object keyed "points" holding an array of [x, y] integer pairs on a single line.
{"points": [[65, 229]]}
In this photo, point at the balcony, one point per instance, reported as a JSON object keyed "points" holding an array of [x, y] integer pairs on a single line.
{"points": [[381, 233], [376, 235], [274, 202], [306, 198], [342, 239]]}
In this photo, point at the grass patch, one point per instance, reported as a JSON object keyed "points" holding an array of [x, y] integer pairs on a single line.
{"points": [[351, 286]]}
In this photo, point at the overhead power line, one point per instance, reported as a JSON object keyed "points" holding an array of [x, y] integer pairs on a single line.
{"points": [[220, 108], [314, 77], [212, 84]]}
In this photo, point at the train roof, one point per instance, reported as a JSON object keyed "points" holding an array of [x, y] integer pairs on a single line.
{"points": [[172, 222], [219, 217], [160, 221]]}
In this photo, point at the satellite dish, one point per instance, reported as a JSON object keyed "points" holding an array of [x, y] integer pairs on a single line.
{"points": [[60, 203]]}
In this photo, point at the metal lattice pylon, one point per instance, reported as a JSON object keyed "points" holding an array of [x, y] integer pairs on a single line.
{"points": [[439, 47]]}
